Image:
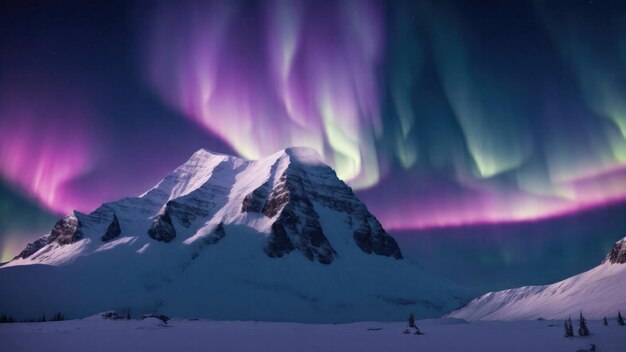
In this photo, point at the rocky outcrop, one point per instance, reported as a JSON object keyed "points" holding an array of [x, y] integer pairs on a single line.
{"points": [[33, 247], [369, 235], [298, 225], [216, 235], [617, 254], [66, 230], [279, 196], [162, 228], [278, 243], [113, 231], [371, 238], [255, 201]]}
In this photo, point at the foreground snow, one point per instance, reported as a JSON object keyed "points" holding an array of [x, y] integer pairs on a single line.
{"points": [[202, 335]]}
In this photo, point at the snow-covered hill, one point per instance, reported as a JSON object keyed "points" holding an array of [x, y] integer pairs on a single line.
{"points": [[599, 292], [281, 238]]}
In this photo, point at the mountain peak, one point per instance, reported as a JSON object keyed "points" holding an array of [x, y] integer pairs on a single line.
{"points": [[265, 235], [285, 196], [301, 154], [203, 154], [304, 155], [617, 254]]}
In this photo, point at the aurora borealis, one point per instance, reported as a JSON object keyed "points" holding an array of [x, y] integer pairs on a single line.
{"points": [[439, 113]]}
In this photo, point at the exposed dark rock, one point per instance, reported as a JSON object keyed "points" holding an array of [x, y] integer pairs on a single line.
{"points": [[162, 228], [278, 243], [33, 247], [187, 212], [618, 253], [277, 198], [113, 231], [217, 234], [372, 238], [298, 225], [255, 201], [369, 234], [66, 231], [204, 201]]}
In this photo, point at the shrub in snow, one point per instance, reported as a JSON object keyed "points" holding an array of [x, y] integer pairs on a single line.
{"points": [[606, 322], [161, 317], [111, 315], [620, 320]]}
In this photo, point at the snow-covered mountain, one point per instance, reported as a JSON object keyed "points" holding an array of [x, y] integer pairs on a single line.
{"points": [[599, 292], [281, 238]]}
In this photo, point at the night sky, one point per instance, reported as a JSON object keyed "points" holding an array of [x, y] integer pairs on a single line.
{"points": [[447, 117]]}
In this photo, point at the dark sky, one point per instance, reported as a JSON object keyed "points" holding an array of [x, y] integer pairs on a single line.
{"points": [[440, 114]]}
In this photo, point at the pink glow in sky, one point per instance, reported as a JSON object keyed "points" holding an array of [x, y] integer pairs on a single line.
{"points": [[45, 146]]}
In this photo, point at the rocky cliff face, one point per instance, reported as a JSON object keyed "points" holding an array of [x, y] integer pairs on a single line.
{"points": [[298, 226]]}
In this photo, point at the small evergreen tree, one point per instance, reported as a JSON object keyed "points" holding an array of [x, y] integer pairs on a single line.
{"points": [[606, 322], [569, 330], [411, 321], [620, 320], [128, 314], [582, 326]]}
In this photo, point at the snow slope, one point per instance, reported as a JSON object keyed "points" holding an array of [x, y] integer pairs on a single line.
{"points": [[96, 335], [598, 292], [279, 239]]}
